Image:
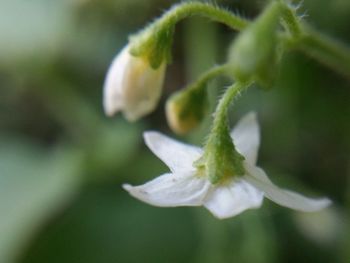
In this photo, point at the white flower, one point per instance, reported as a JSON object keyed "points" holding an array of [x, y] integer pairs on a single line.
{"points": [[185, 187], [132, 86]]}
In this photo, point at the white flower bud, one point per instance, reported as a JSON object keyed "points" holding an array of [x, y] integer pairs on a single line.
{"points": [[132, 86]]}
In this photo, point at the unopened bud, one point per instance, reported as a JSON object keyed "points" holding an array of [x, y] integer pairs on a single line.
{"points": [[254, 50], [132, 86], [186, 109]]}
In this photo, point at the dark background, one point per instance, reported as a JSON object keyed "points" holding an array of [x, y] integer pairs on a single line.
{"points": [[62, 162]]}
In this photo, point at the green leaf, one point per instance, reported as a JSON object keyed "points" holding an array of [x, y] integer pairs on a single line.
{"points": [[34, 183]]}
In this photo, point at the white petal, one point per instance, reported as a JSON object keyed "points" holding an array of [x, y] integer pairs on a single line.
{"points": [[172, 190], [246, 137], [132, 86], [142, 87], [179, 157], [232, 199], [286, 198], [113, 87]]}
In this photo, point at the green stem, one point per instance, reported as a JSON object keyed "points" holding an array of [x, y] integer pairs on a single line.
{"points": [[154, 42], [183, 10], [326, 50], [220, 119], [212, 73], [290, 20]]}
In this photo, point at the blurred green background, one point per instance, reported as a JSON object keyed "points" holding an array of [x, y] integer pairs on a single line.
{"points": [[62, 162]]}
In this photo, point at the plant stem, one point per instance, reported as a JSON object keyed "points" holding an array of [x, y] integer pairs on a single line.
{"points": [[209, 75], [183, 10], [290, 20], [326, 50], [220, 118]]}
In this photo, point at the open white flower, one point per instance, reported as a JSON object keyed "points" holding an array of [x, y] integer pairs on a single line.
{"points": [[184, 186], [132, 86]]}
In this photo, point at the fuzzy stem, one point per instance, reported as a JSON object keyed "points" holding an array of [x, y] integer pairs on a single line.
{"points": [[212, 73], [183, 10], [290, 20], [220, 119], [326, 50]]}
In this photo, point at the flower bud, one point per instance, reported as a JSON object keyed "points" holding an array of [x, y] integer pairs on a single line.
{"points": [[254, 50], [132, 86], [186, 109]]}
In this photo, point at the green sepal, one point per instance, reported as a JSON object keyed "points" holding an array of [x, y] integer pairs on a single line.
{"points": [[220, 159], [154, 44]]}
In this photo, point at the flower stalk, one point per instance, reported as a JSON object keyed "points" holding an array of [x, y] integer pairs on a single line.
{"points": [[290, 20], [183, 10], [324, 49], [220, 117], [155, 41]]}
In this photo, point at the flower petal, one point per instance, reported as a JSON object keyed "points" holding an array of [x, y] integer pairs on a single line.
{"points": [[259, 179], [113, 86], [179, 157], [232, 199], [172, 190], [246, 137], [142, 87], [132, 86]]}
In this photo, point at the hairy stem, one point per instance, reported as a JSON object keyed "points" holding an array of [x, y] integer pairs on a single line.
{"points": [[212, 73], [220, 118], [183, 10], [326, 50], [290, 20]]}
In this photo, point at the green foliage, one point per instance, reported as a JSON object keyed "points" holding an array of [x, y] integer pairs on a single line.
{"points": [[34, 184]]}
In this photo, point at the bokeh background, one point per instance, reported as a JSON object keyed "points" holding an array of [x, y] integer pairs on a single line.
{"points": [[62, 162]]}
